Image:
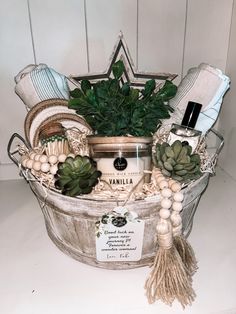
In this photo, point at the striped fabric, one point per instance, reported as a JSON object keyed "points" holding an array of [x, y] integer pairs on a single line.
{"points": [[36, 83]]}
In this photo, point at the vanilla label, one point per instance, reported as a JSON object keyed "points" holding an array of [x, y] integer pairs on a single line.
{"points": [[123, 171]]}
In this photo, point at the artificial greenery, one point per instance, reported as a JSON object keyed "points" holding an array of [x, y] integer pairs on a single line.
{"points": [[115, 109], [77, 175], [177, 161]]}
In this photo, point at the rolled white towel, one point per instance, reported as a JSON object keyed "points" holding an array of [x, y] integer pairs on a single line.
{"points": [[36, 83], [205, 85]]}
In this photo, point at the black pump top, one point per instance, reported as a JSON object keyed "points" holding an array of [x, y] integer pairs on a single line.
{"points": [[191, 114]]}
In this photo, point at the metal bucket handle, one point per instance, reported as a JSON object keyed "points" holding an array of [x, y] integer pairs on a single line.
{"points": [[219, 148], [12, 153]]}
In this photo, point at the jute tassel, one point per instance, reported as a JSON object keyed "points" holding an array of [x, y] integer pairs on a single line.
{"points": [[168, 279], [182, 245]]}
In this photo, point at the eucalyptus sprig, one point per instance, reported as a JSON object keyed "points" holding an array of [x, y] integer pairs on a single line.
{"points": [[115, 109]]}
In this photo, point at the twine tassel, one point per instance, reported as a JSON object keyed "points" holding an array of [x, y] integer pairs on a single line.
{"points": [[169, 279], [186, 253], [182, 245]]}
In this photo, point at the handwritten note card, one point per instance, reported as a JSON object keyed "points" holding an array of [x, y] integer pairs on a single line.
{"points": [[119, 236]]}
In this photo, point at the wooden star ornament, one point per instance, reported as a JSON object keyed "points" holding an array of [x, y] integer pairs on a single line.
{"points": [[135, 78]]}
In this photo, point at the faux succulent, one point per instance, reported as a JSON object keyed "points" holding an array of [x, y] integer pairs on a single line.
{"points": [[116, 109], [177, 161], [77, 175]]}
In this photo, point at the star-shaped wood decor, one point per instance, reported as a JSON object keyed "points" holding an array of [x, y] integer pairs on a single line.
{"points": [[136, 79]]}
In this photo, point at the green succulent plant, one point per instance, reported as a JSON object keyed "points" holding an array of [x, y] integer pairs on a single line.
{"points": [[77, 176], [114, 108], [177, 161]]}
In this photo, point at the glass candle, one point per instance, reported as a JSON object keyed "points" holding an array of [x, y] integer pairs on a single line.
{"points": [[122, 160]]}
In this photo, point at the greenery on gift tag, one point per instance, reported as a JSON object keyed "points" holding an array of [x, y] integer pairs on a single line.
{"points": [[177, 161], [77, 176], [115, 109]]}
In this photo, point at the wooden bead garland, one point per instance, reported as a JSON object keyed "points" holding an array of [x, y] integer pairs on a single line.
{"points": [[183, 247], [169, 278], [171, 198], [41, 162], [171, 195]]}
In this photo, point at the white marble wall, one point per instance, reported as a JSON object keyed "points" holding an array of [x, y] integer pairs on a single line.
{"points": [[77, 36]]}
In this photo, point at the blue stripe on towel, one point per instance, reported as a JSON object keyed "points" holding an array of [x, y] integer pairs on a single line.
{"points": [[53, 84], [45, 84], [37, 87]]}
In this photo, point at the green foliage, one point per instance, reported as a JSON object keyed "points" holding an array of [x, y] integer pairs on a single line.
{"points": [[118, 69], [115, 109], [77, 176]]}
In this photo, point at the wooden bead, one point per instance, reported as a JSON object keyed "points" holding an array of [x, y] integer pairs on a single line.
{"points": [[159, 179], [52, 159], [43, 158], [159, 176], [32, 155], [45, 167], [53, 169], [36, 165], [166, 203], [29, 163], [37, 157], [163, 184], [170, 182], [166, 192], [177, 206], [164, 213], [175, 187], [178, 197], [62, 158], [176, 219]]}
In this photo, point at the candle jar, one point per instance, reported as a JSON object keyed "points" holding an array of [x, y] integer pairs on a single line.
{"points": [[122, 160]]}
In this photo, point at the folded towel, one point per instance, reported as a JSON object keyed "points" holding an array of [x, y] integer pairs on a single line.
{"points": [[36, 83], [205, 85]]}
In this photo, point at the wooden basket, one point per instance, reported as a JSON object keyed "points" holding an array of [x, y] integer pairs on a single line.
{"points": [[70, 222]]}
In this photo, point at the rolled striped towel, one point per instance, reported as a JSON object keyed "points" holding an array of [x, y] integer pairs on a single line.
{"points": [[36, 83], [205, 85]]}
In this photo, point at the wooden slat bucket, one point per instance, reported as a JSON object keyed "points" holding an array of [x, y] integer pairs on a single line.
{"points": [[70, 222]]}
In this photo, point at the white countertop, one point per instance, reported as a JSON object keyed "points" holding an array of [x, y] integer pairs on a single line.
{"points": [[37, 278]]}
